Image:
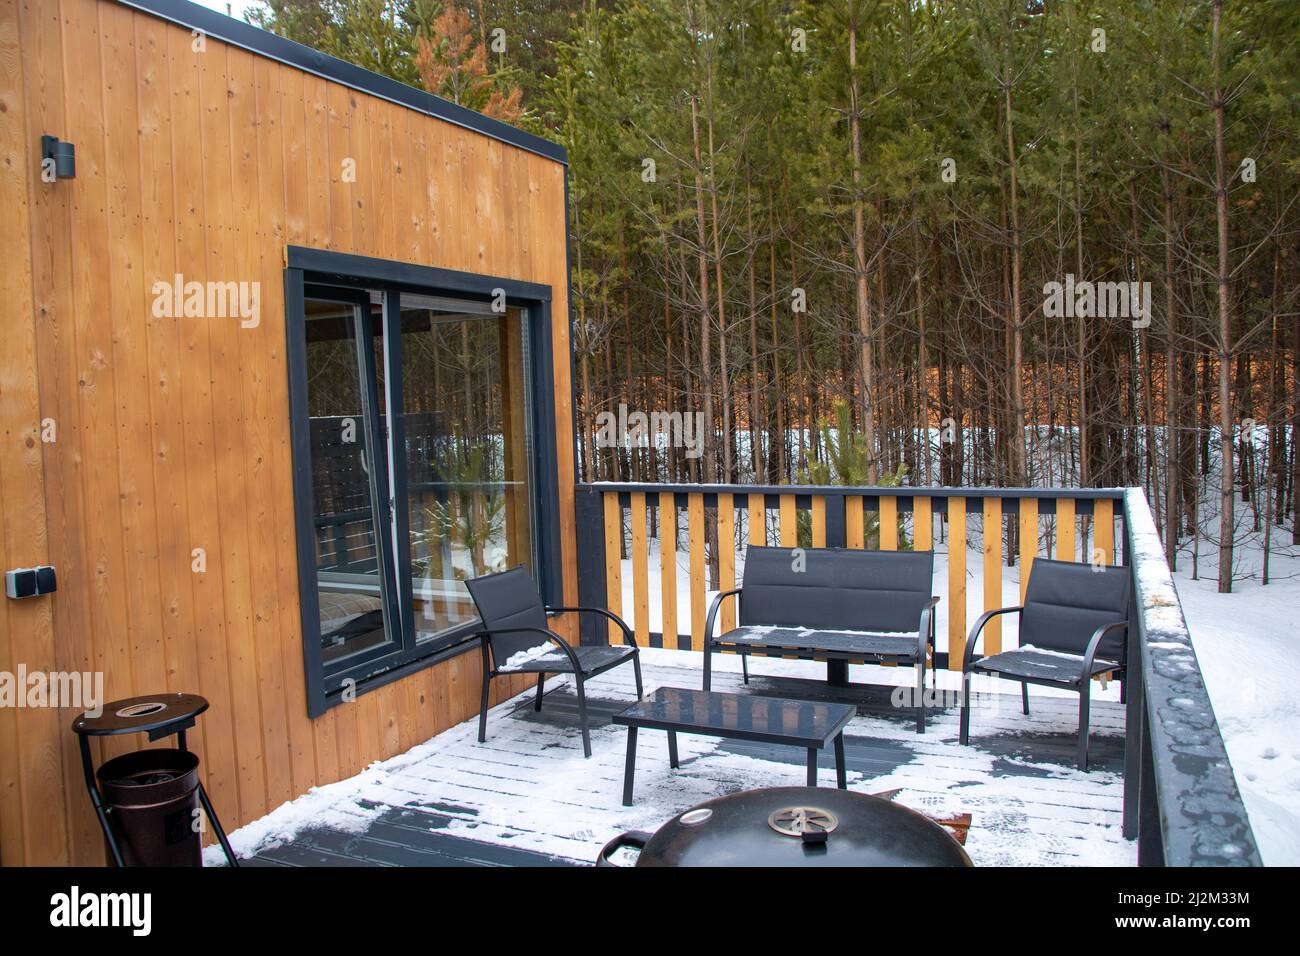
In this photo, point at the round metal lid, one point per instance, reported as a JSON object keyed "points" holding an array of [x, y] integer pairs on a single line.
{"points": [[134, 715], [749, 829]]}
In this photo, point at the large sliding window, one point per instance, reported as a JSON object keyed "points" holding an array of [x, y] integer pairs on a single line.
{"points": [[422, 434]]}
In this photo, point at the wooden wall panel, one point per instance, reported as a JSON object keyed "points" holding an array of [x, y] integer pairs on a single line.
{"points": [[42, 60], [31, 781], [173, 434]]}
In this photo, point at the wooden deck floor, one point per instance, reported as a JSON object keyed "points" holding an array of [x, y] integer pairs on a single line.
{"points": [[528, 798]]}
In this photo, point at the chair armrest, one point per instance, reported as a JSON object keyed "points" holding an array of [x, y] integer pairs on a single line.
{"points": [[1090, 655], [627, 631], [969, 657], [923, 631], [713, 613], [548, 634]]}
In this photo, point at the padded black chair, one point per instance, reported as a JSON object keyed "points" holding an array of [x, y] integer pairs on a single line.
{"points": [[514, 621], [1073, 627]]}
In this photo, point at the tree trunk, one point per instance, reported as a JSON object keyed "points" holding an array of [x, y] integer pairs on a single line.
{"points": [[1173, 437], [1226, 500], [706, 317], [1016, 385], [863, 300]]}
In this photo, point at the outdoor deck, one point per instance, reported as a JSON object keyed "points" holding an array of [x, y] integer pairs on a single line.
{"points": [[528, 798]]}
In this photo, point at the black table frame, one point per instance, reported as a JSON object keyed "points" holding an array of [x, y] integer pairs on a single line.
{"points": [[812, 745], [156, 731]]}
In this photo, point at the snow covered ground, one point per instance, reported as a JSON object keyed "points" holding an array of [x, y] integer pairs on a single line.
{"points": [[1248, 645]]}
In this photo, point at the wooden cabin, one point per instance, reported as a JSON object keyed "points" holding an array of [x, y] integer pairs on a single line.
{"points": [[285, 360]]}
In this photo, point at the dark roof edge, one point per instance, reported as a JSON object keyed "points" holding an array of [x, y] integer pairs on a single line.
{"points": [[270, 45]]}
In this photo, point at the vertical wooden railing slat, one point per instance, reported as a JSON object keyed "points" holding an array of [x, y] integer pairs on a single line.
{"points": [[640, 569], [789, 522], [1028, 541], [695, 520], [727, 559], [757, 520], [888, 523], [1065, 529], [819, 521], [992, 573], [922, 523], [1104, 529], [854, 519], [956, 581], [668, 566], [614, 562]]}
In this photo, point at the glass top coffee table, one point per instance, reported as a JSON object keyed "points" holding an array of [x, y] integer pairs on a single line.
{"points": [[774, 720]]}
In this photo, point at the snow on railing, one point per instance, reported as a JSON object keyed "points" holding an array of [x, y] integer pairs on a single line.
{"points": [[1181, 800]]}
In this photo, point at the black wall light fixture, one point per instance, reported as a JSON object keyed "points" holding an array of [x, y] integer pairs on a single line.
{"points": [[63, 155]]}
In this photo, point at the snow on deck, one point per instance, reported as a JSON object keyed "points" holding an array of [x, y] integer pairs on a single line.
{"points": [[529, 787]]}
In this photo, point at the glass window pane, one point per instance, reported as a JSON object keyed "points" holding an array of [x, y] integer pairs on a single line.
{"points": [[466, 417], [349, 515]]}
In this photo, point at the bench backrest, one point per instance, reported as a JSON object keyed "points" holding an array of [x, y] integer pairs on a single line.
{"points": [[839, 589], [1067, 601]]}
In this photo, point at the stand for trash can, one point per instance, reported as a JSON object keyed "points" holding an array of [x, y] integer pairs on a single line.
{"points": [[158, 715]]}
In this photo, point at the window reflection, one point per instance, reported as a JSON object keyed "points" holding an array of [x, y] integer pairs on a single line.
{"points": [[465, 412]]}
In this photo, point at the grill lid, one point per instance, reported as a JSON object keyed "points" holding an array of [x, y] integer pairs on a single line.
{"points": [[801, 826]]}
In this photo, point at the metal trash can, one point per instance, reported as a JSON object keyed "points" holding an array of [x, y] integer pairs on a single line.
{"points": [[152, 797]]}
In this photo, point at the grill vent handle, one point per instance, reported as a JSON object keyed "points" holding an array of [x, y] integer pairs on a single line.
{"points": [[815, 838], [633, 839]]}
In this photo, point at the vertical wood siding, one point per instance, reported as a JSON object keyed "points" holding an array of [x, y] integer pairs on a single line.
{"points": [[173, 434]]}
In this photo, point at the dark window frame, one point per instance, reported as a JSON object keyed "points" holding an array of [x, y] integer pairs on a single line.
{"points": [[306, 267]]}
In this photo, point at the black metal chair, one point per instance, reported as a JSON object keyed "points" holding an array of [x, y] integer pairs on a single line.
{"points": [[514, 621], [1073, 627]]}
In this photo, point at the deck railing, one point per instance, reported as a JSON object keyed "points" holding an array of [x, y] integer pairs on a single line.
{"points": [[1181, 802]]}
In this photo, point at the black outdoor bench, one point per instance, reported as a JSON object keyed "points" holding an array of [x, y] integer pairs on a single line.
{"points": [[514, 621], [1073, 627], [832, 604]]}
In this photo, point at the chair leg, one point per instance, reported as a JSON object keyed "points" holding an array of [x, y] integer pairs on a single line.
{"points": [[582, 717], [964, 723], [744, 666], [708, 667], [483, 709], [920, 696], [1024, 698], [1085, 700], [541, 684], [636, 668]]}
